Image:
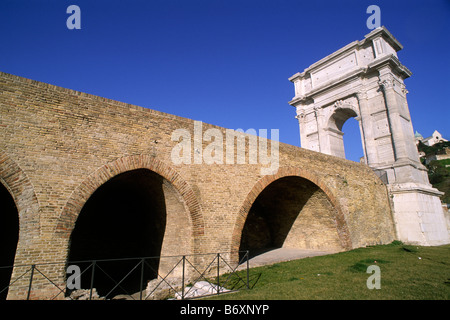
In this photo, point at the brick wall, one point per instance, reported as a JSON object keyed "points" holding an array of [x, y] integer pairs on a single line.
{"points": [[58, 146]]}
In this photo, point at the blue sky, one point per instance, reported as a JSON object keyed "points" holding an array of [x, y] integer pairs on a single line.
{"points": [[224, 62]]}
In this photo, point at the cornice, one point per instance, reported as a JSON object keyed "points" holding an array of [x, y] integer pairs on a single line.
{"points": [[386, 60]]}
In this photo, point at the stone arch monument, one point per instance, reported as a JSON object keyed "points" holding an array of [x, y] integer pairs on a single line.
{"points": [[364, 80]]}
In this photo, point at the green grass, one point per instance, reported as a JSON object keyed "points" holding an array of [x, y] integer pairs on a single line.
{"points": [[407, 272]]}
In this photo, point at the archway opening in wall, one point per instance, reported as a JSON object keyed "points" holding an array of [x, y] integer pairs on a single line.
{"points": [[9, 236], [352, 141], [344, 134], [291, 212], [125, 218]]}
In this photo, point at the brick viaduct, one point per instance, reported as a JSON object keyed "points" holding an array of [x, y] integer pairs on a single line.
{"points": [[84, 177]]}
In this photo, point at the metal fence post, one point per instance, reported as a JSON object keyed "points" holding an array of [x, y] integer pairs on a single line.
{"points": [[92, 279], [31, 281], [218, 272], [142, 278], [182, 278], [248, 269]]}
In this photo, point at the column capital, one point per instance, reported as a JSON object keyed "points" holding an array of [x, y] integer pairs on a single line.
{"points": [[387, 83], [361, 94], [300, 115]]}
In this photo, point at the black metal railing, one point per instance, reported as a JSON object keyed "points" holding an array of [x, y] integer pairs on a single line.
{"points": [[141, 278]]}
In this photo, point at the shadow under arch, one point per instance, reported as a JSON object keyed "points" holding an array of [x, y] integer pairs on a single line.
{"points": [[153, 194], [82, 193], [9, 236], [286, 172]]}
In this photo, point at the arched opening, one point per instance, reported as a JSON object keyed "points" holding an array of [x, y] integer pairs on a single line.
{"points": [[9, 236], [343, 128], [291, 212], [352, 140], [124, 218]]}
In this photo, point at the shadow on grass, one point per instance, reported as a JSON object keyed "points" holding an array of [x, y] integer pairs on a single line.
{"points": [[238, 281], [362, 265]]}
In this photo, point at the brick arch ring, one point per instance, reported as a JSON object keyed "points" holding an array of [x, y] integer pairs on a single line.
{"points": [[21, 189], [260, 185], [71, 210]]}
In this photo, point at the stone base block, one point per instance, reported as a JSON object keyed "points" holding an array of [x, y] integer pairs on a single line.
{"points": [[418, 214]]}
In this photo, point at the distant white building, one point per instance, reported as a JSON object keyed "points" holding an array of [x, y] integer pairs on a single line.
{"points": [[436, 137], [430, 141]]}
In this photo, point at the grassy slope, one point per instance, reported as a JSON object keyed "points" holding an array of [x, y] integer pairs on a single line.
{"points": [[407, 272]]}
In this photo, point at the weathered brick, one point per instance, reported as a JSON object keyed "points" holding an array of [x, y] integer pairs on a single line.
{"points": [[58, 146]]}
